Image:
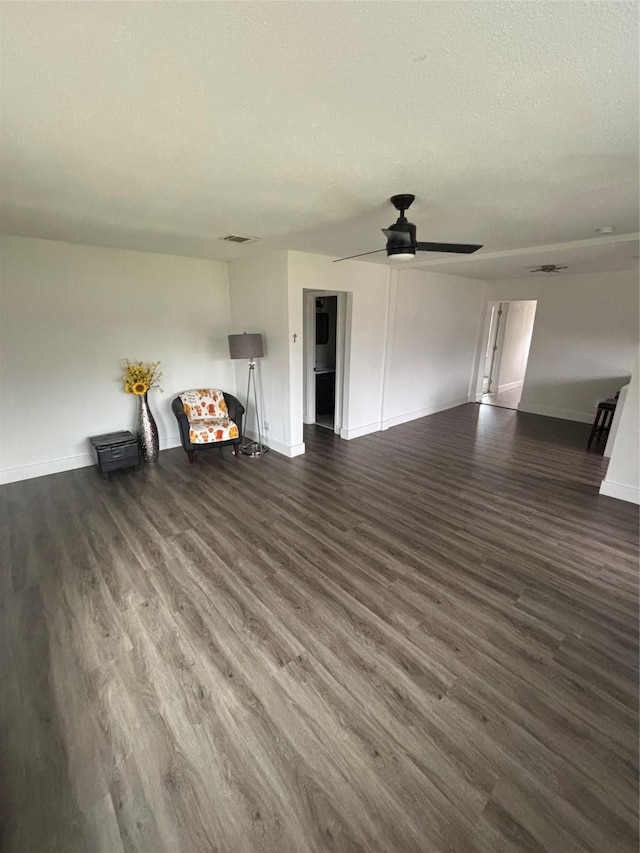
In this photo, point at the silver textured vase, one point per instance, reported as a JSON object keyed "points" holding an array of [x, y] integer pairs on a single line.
{"points": [[147, 431]]}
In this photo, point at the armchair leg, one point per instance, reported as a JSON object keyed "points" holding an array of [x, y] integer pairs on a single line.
{"points": [[235, 449], [190, 455]]}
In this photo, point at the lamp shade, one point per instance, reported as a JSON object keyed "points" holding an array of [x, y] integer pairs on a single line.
{"points": [[245, 346]]}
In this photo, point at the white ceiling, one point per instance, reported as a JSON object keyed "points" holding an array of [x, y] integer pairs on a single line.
{"points": [[163, 126], [608, 254]]}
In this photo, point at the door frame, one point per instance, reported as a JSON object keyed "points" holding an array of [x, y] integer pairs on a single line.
{"points": [[498, 347], [308, 372], [497, 358]]}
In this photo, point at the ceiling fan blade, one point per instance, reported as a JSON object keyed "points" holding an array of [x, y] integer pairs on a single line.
{"points": [[399, 238], [359, 256], [460, 248]]}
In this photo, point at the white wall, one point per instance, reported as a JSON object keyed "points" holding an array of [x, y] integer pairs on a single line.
{"points": [[368, 285], [515, 345], [585, 339], [412, 338], [623, 474], [259, 303], [70, 315], [433, 343]]}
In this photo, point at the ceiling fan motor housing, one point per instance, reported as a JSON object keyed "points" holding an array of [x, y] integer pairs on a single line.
{"points": [[406, 241]]}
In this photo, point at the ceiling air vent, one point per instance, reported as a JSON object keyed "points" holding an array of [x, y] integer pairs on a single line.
{"points": [[237, 238], [549, 268]]}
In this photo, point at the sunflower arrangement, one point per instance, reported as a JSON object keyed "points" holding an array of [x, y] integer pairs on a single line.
{"points": [[141, 376]]}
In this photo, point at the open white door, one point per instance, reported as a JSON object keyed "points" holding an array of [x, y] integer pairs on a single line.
{"points": [[492, 355], [324, 357]]}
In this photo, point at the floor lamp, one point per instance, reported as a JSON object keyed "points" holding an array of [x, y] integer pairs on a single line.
{"points": [[250, 347]]}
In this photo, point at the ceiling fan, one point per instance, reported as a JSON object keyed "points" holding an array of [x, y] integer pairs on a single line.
{"points": [[549, 268], [401, 237]]}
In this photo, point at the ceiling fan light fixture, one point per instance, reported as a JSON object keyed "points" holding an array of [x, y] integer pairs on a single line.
{"points": [[401, 254]]}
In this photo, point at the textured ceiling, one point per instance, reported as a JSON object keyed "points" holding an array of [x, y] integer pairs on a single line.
{"points": [[163, 126]]}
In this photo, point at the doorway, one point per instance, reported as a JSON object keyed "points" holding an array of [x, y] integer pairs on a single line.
{"points": [[506, 352], [324, 358]]}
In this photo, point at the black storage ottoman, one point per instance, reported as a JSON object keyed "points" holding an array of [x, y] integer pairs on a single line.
{"points": [[115, 450]]}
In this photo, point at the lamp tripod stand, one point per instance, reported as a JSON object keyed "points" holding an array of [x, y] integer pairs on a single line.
{"points": [[253, 448], [251, 347]]}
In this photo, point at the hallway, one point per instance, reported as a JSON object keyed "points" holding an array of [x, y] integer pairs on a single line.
{"points": [[504, 399]]}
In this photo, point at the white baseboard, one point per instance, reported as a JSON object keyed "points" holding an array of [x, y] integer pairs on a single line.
{"points": [[169, 442], [563, 414], [377, 426], [289, 450], [42, 469], [272, 444], [509, 385], [358, 432], [423, 413], [620, 491], [66, 463]]}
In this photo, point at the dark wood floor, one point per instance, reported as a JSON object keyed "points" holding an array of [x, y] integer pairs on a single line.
{"points": [[422, 640]]}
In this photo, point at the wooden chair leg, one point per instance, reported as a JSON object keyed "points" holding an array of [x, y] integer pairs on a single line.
{"points": [[190, 455], [594, 428]]}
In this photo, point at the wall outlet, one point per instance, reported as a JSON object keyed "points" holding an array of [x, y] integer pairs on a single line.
{"points": [[266, 425]]}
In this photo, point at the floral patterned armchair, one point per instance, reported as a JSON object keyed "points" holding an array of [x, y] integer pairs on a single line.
{"points": [[208, 417]]}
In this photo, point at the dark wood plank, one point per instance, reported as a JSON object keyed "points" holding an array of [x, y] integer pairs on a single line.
{"points": [[422, 640]]}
